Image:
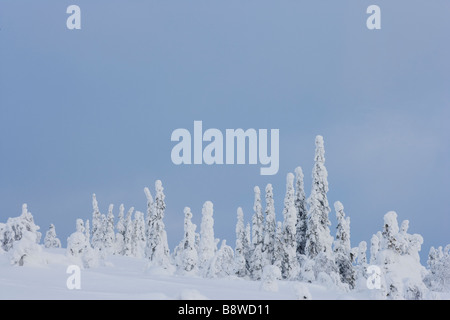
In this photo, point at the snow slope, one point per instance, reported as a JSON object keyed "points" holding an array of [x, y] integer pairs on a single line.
{"points": [[128, 278]]}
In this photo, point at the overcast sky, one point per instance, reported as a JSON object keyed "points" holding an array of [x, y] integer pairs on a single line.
{"points": [[92, 110]]}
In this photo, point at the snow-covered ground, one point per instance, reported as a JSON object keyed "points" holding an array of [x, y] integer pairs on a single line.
{"points": [[129, 278]]}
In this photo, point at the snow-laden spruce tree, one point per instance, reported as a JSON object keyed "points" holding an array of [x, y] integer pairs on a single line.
{"points": [[302, 214], [87, 231], [318, 235], [362, 259], [278, 255], [120, 235], [20, 236], [269, 228], [27, 221], [374, 248], [222, 264], [109, 238], [2, 231], [289, 264], [342, 247], [149, 221], [76, 243], [79, 249], [51, 240], [318, 238], [256, 262], [6, 237], [15, 227], [270, 277], [438, 278], [138, 237], [26, 250], [158, 247], [128, 236], [175, 257], [188, 260], [390, 232], [398, 258], [248, 247], [197, 241], [240, 264], [97, 225], [207, 246]]}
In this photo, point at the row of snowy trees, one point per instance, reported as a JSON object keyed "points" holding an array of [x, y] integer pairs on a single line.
{"points": [[299, 247], [141, 236]]}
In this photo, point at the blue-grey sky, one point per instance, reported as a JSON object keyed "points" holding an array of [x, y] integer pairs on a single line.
{"points": [[92, 110]]}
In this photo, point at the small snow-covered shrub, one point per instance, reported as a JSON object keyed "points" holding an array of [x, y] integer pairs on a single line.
{"points": [[269, 278]]}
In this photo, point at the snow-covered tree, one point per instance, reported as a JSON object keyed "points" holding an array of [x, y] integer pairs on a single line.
{"points": [[2, 231], [269, 278], [6, 237], [50, 240], [149, 221], [28, 223], [342, 247], [76, 243], [269, 228], [362, 259], [138, 236], [109, 239], [302, 214], [404, 227], [158, 247], [256, 262], [80, 249], [128, 235], [390, 232], [15, 227], [120, 235], [278, 245], [222, 264], [248, 247], [307, 270], [289, 264], [207, 245], [87, 231], [240, 264], [97, 225], [318, 233], [410, 244], [26, 249], [438, 278], [398, 257], [20, 237], [197, 241], [188, 257], [374, 248]]}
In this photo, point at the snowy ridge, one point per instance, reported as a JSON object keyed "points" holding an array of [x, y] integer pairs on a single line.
{"points": [[296, 258]]}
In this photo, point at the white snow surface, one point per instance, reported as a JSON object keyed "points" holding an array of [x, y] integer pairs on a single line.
{"points": [[130, 278]]}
